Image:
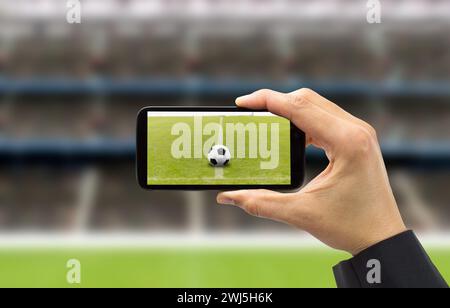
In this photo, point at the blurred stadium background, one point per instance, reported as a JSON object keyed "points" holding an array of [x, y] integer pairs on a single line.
{"points": [[69, 95]]}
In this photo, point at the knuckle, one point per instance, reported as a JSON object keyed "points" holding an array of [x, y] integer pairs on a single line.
{"points": [[303, 97], [372, 131], [362, 142], [306, 93], [299, 100], [252, 207], [263, 92]]}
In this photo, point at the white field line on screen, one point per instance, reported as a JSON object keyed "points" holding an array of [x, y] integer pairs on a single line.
{"points": [[218, 172], [207, 113]]}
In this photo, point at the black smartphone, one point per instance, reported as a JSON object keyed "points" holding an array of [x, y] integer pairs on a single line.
{"points": [[218, 148]]}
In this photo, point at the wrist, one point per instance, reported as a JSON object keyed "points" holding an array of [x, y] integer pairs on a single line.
{"points": [[379, 237]]}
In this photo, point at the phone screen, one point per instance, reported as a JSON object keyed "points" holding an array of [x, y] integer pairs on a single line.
{"points": [[218, 148]]}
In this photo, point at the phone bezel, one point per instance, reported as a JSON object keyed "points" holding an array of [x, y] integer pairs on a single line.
{"points": [[297, 153]]}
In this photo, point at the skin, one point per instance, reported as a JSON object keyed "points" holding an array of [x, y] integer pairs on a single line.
{"points": [[350, 205]]}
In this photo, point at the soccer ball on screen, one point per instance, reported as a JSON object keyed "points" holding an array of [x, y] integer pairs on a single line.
{"points": [[219, 156]]}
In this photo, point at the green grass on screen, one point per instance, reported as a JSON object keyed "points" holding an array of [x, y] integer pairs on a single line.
{"points": [[163, 169]]}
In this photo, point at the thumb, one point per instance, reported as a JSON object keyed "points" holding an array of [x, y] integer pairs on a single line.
{"points": [[259, 203]]}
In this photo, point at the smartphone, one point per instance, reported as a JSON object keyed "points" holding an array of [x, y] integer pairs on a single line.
{"points": [[218, 148]]}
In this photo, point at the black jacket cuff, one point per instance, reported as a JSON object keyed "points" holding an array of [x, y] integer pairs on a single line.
{"points": [[398, 262]]}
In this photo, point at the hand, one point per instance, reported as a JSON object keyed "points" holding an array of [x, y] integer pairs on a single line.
{"points": [[350, 205]]}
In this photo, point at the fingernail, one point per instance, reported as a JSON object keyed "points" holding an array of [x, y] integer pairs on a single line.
{"points": [[241, 99], [225, 201]]}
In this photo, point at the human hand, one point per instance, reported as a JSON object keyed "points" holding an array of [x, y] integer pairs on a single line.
{"points": [[350, 205]]}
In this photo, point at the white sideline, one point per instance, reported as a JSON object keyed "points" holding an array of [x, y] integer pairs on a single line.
{"points": [[152, 240]]}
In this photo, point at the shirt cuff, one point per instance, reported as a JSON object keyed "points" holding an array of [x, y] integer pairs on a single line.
{"points": [[398, 262]]}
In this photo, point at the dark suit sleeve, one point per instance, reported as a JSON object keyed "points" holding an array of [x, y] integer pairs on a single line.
{"points": [[398, 262]]}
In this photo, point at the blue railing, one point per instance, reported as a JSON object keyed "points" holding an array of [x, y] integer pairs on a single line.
{"points": [[420, 154], [424, 154], [219, 87]]}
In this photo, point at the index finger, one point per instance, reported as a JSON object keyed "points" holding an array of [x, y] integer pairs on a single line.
{"points": [[307, 116]]}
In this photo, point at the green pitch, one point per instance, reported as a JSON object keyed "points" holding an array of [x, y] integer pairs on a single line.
{"points": [[197, 171], [180, 267]]}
